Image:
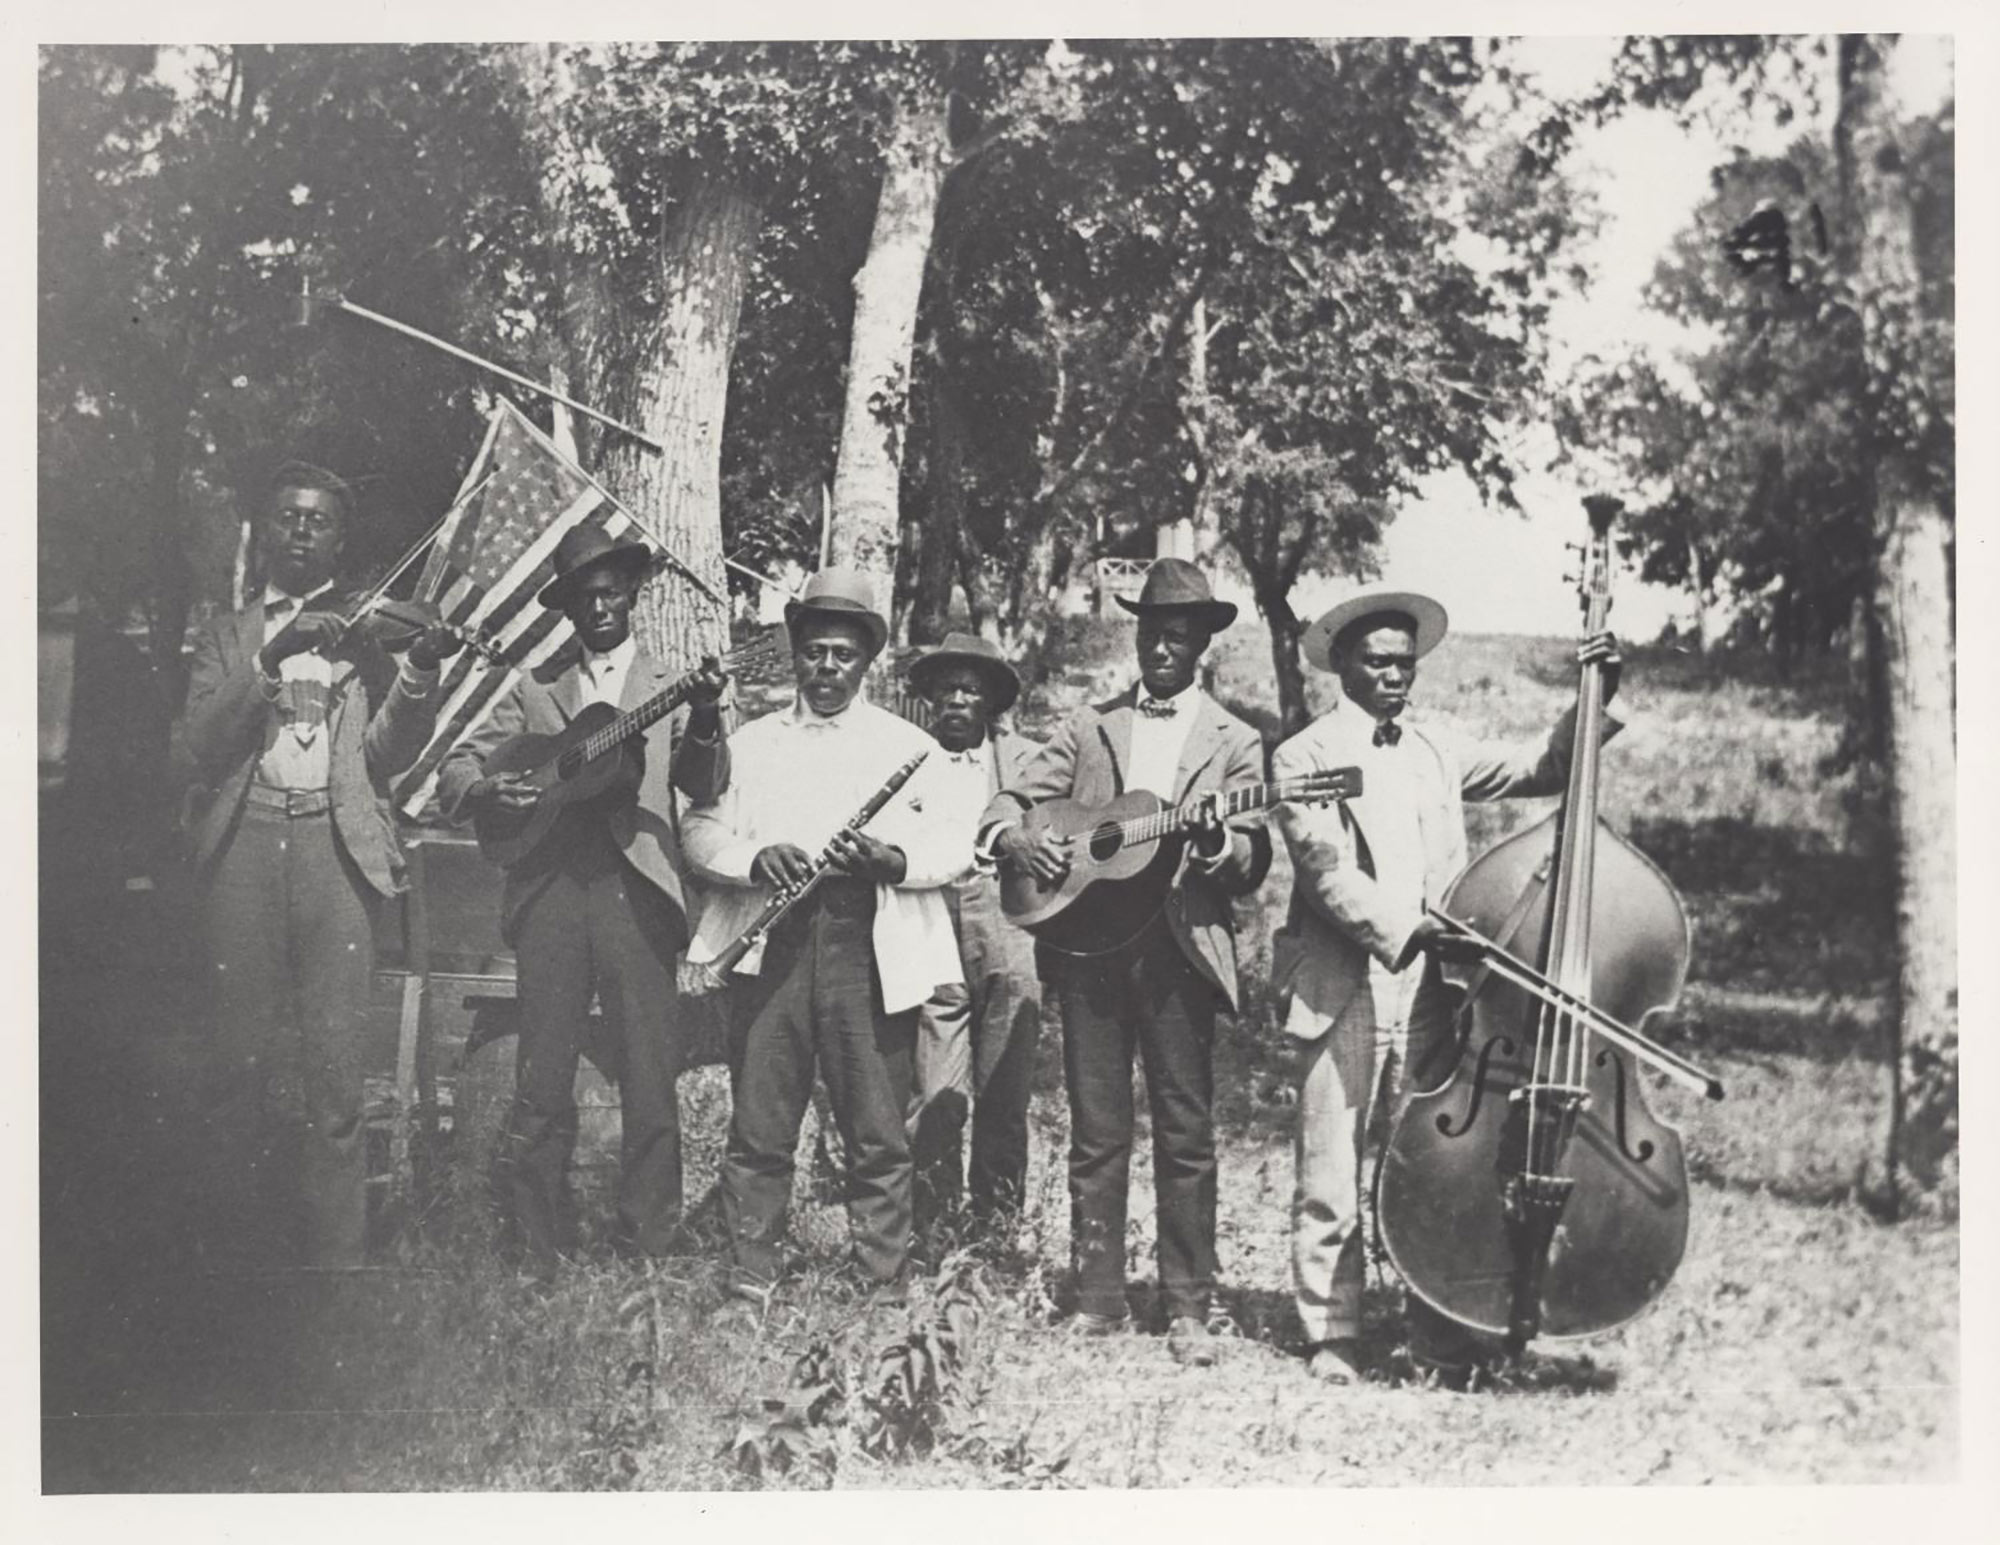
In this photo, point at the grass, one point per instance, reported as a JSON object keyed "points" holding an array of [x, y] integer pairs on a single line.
{"points": [[1803, 1340]]}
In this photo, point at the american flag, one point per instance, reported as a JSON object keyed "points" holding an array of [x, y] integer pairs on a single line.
{"points": [[490, 560]]}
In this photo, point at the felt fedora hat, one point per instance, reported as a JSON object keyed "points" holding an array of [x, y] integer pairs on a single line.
{"points": [[1427, 617], [967, 649], [1175, 585], [586, 547], [840, 592]]}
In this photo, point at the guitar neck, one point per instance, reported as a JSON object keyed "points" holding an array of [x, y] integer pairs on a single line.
{"points": [[1178, 818], [635, 721]]}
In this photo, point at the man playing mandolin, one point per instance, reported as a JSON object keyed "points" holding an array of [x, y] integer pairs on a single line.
{"points": [[1160, 992], [597, 905], [1349, 962]]}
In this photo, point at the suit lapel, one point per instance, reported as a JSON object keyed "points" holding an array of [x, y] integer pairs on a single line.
{"points": [[1114, 728], [1203, 738], [566, 685], [647, 677]]}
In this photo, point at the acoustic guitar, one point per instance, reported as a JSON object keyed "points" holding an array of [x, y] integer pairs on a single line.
{"points": [[588, 756], [1123, 857]]}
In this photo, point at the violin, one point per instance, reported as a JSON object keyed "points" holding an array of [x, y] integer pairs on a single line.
{"points": [[392, 625], [1532, 1192]]}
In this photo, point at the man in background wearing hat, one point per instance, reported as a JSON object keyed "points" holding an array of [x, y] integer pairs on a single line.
{"points": [[1351, 956], [838, 981], [976, 1040], [598, 906], [289, 738], [1160, 993]]}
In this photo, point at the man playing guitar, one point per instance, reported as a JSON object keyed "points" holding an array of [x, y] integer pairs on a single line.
{"points": [[598, 907], [1161, 991]]}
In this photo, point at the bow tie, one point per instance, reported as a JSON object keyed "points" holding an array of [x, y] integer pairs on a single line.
{"points": [[1388, 732], [1159, 707]]}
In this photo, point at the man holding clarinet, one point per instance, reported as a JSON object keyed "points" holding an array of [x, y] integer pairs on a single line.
{"points": [[835, 980]]}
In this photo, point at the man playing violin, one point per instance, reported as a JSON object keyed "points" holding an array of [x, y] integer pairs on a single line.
{"points": [[597, 908], [1159, 994], [291, 733], [838, 981], [1349, 964]]}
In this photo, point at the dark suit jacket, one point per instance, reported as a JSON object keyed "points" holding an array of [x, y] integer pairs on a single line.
{"points": [[542, 702], [376, 730], [1085, 761]]}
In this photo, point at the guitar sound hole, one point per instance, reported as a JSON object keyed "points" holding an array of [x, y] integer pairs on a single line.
{"points": [[569, 764], [1104, 842]]}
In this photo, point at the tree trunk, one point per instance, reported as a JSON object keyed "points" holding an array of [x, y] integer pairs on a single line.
{"points": [[1913, 600], [677, 387], [938, 553], [1699, 577], [1286, 663], [654, 349], [979, 605], [867, 475], [172, 589]]}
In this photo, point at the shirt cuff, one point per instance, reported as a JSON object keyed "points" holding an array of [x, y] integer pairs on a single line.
{"points": [[414, 680], [987, 845]]}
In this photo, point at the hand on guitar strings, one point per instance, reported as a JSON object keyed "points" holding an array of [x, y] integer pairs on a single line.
{"points": [[866, 858], [1210, 836], [1602, 648], [504, 794], [1043, 854]]}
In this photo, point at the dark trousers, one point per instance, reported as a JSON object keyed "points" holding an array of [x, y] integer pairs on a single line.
{"points": [[597, 927], [290, 949], [817, 1003], [1145, 997], [976, 1045]]}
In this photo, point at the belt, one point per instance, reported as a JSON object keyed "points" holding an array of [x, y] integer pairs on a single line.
{"points": [[290, 802]]}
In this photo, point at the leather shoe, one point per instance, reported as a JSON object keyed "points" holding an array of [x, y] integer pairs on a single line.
{"points": [[1335, 1362], [1191, 1342], [1084, 1323]]}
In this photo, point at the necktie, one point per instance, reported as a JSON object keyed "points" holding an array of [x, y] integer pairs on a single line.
{"points": [[1388, 732], [1158, 707]]}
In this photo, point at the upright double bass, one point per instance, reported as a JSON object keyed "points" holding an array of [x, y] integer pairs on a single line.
{"points": [[1532, 1193]]}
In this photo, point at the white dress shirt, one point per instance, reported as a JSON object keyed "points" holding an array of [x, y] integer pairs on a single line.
{"points": [[797, 777], [603, 676], [1157, 741], [299, 756]]}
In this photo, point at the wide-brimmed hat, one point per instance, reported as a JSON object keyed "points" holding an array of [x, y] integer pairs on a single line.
{"points": [[1375, 601], [841, 592], [967, 649], [1175, 585], [587, 547]]}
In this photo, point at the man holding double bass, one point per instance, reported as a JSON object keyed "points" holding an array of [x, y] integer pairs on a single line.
{"points": [[1349, 964], [1159, 993]]}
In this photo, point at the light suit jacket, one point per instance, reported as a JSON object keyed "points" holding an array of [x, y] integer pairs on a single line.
{"points": [[543, 702], [1086, 760], [1339, 917], [375, 729]]}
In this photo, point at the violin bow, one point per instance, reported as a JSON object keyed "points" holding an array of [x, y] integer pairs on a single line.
{"points": [[1503, 962]]}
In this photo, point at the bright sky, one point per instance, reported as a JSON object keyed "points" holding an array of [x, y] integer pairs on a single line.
{"points": [[1497, 572]]}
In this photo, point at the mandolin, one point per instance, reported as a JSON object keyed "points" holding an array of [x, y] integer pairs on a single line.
{"points": [[1124, 856], [590, 755]]}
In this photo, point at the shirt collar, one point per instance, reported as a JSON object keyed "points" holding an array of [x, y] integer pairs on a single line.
{"points": [[617, 658], [804, 717]]}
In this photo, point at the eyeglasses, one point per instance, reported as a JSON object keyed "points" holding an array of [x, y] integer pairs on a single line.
{"points": [[312, 522]]}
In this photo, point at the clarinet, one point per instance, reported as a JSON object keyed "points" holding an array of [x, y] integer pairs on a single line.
{"points": [[726, 960]]}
